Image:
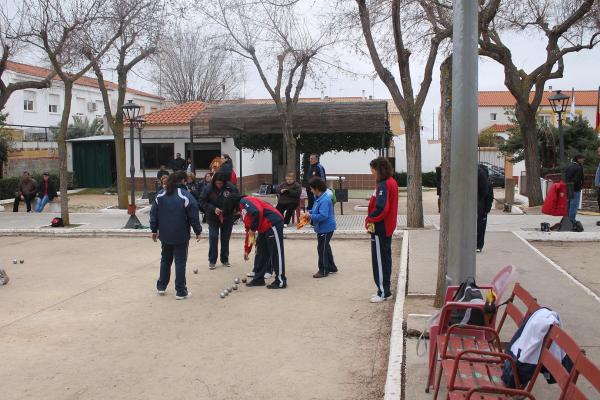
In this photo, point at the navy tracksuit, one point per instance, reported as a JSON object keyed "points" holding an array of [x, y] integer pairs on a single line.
{"points": [[261, 217], [171, 217], [314, 170], [210, 199]]}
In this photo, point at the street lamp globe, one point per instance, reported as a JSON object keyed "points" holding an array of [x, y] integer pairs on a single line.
{"points": [[559, 102], [131, 110], [139, 122]]}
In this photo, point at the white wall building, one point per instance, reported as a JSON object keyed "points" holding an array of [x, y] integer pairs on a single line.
{"points": [[43, 107]]}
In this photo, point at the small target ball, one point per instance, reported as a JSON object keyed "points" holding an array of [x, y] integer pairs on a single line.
{"points": [[21, 261], [244, 280], [195, 270]]}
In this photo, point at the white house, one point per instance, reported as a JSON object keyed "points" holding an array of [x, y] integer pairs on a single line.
{"points": [[43, 107]]}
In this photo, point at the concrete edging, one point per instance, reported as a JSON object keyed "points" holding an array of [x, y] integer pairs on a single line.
{"points": [[393, 382], [559, 236]]}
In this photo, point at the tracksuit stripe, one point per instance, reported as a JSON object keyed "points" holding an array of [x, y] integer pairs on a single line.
{"points": [[278, 255], [379, 265]]}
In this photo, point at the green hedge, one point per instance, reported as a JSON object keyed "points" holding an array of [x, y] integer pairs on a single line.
{"points": [[8, 186], [428, 178]]}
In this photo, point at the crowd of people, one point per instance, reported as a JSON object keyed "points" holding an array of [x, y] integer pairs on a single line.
{"points": [[28, 190], [181, 198]]}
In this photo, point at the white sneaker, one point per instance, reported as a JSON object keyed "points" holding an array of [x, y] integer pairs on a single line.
{"points": [[212, 266], [268, 275], [250, 274], [285, 225], [161, 292], [187, 296], [378, 299]]}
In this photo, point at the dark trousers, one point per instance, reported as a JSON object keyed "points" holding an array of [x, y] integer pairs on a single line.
{"points": [[381, 258], [311, 198], [598, 198], [28, 199], [169, 252], [481, 226], [287, 210], [214, 231], [270, 256], [326, 262]]}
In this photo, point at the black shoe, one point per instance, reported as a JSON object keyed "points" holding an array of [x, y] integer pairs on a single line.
{"points": [[277, 285], [256, 282], [319, 275]]}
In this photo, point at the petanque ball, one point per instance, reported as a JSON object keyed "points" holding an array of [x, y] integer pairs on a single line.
{"points": [[235, 287], [236, 280], [244, 280], [21, 261], [222, 295], [230, 289], [195, 270], [14, 261]]}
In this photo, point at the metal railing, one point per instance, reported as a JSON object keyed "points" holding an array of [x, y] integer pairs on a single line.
{"points": [[33, 133]]}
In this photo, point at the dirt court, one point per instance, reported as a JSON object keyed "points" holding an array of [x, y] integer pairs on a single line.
{"points": [[80, 319], [580, 259]]}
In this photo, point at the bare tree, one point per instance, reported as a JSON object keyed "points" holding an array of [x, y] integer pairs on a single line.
{"points": [[415, 26], [194, 66], [66, 31], [142, 24], [272, 36], [567, 27], [12, 29]]}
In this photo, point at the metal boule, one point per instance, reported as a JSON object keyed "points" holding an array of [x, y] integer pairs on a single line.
{"points": [[222, 295], [230, 289], [244, 280], [235, 287], [195, 270], [21, 261], [15, 261], [236, 280]]}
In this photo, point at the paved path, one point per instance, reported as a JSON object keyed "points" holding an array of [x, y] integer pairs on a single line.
{"points": [[80, 320], [578, 309]]}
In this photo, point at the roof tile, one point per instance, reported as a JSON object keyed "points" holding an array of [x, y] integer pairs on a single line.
{"points": [[505, 99]]}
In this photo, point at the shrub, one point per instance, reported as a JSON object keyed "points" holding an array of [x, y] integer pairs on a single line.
{"points": [[428, 179], [8, 186]]}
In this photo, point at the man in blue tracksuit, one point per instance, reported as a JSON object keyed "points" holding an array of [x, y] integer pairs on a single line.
{"points": [[323, 221], [315, 170], [211, 203], [173, 212]]}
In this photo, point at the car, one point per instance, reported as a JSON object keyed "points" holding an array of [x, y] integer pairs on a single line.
{"points": [[492, 167]]}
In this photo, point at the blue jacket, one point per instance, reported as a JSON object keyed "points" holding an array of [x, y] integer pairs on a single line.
{"points": [[597, 178], [212, 198], [172, 215], [321, 215]]}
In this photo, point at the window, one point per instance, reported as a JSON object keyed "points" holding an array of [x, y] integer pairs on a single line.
{"points": [[493, 116], [156, 154], [53, 100], [28, 100], [545, 119], [80, 106]]}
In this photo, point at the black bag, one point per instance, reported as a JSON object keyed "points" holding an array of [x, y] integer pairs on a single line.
{"points": [[57, 222], [468, 292], [577, 227]]}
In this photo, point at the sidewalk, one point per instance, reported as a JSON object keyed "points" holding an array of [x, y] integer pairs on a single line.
{"points": [[552, 288]]}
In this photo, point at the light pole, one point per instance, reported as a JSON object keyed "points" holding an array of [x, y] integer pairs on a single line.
{"points": [[559, 103], [131, 111], [139, 123]]}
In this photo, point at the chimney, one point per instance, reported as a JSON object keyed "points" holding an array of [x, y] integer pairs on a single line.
{"points": [[363, 95], [370, 97], [322, 95]]}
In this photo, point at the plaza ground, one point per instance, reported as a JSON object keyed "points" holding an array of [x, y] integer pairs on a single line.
{"points": [[81, 320]]}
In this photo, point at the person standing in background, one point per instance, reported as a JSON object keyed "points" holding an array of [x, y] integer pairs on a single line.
{"points": [[485, 199], [172, 214], [574, 180], [25, 191], [227, 169], [161, 172], [597, 183], [178, 164], [314, 170], [381, 223]]}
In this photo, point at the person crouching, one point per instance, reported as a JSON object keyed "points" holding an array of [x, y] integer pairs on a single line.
{"points": [[259, 216], [323, 221], [173, 212]]}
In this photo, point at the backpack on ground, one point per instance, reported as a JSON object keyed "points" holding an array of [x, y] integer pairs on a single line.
{"points": [[57, 222], [468, 292]]}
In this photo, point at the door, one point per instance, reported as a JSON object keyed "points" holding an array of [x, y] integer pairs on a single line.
{"points": [[93, 164], [203, 154]]}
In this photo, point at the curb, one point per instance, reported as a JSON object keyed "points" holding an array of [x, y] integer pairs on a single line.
{"points": [[395, 376], [559, 236]]}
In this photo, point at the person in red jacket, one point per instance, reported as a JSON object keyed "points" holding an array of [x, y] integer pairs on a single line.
{"points": [[259, 216], [381, 223]]}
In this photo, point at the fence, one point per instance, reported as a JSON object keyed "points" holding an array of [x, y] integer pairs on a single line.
{"points": [[31, 133], [490, 156]]}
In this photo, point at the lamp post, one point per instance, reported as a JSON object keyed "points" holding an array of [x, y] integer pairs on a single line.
{"points": [[131, 111], [139, 123], [559, 103]]}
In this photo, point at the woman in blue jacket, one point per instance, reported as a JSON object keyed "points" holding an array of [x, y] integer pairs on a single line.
{"points": [[323, 221], [173, 212]]}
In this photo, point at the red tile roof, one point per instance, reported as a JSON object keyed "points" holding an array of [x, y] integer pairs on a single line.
{"points": [[506, 99], [181, 114], [40, 72], [499, 128]]}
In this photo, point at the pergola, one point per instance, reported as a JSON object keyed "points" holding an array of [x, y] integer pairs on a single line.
{"points": [[367, 117]]}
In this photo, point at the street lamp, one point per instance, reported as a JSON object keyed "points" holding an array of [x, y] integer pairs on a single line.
{"points": [[139, 123], [559, 103], [132, 111]]}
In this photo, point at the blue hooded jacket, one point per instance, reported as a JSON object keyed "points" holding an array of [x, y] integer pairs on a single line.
{"points": [[321, 215], [172, 215]]}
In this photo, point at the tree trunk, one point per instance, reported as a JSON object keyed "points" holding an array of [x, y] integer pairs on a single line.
{"points": [[445, 129], [62, 153], [121, 166], [527, 126], [413, 167], [290, 146]]}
